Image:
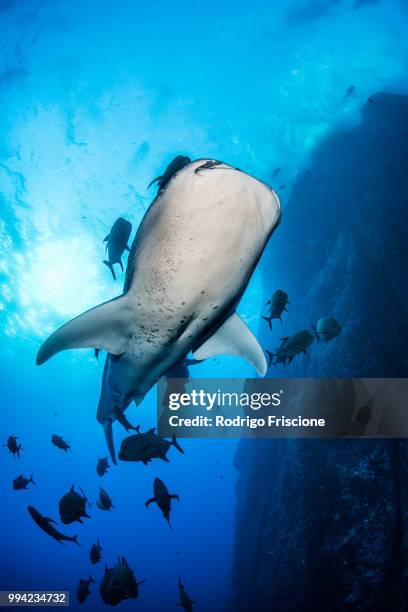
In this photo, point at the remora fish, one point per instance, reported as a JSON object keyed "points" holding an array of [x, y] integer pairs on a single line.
{"points": [[190, 262], [185, 600], [47, 524]]}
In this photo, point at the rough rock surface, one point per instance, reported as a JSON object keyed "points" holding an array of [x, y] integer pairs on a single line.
{"points": [[322, 524]]}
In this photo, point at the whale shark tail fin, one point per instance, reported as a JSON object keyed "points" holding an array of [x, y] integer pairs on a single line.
{"points": [[104, 327], [111, 268], [234, 338]]}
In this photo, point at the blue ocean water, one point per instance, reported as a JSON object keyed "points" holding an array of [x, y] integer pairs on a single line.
{"points": [[96, 98]]}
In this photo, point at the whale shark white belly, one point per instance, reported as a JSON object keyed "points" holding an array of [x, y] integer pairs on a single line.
{"points": [[191, 259]]}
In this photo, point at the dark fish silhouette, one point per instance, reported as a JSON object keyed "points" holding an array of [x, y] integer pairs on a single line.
{"points": [[290, 347], [21, 483], [104, 502], [350, 91], [364, 415], [59, 442], [83, 591], [117, 243], [179, 374], [185, 601], [13, 447], [174, 166], [122, 419], [119, 583], [208, 165], [326, 329], [72, 507], [146, 446], [162, 498], [95, 553], [46, 524], [102, 466], [276, 172], [359, 420], [277, 304]]}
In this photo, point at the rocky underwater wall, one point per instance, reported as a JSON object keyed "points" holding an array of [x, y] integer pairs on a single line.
{"points": [[323, 524]]}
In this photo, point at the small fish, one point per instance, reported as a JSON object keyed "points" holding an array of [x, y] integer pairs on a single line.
{"points": [[290, 347], [119, 583], [185, 601], [102, 466], [350, 91], [104, 502], [362, 417], [174, 166], [117, 243], [276, 172], [83, 591], [13, 447], [162, 498], [21, 483], [122, 419], [277, 305], [95, 553], [72, 507], [326, 329], [147, 446], [181, 372], [46, 524], [59, 442], [208, 165]]}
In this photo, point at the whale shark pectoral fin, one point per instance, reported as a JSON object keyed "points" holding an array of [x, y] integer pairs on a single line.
{"points": [[104, 327], [234, 338]]}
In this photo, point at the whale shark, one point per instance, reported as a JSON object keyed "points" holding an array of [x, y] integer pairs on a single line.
{"points": [[190, 262]]}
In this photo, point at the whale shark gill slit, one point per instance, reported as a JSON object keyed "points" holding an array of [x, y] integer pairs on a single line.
{"points": [[104, 327]]}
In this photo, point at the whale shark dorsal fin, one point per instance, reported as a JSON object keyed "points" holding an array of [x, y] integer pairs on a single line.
{"points": [[103, 327], [234, 338]]}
